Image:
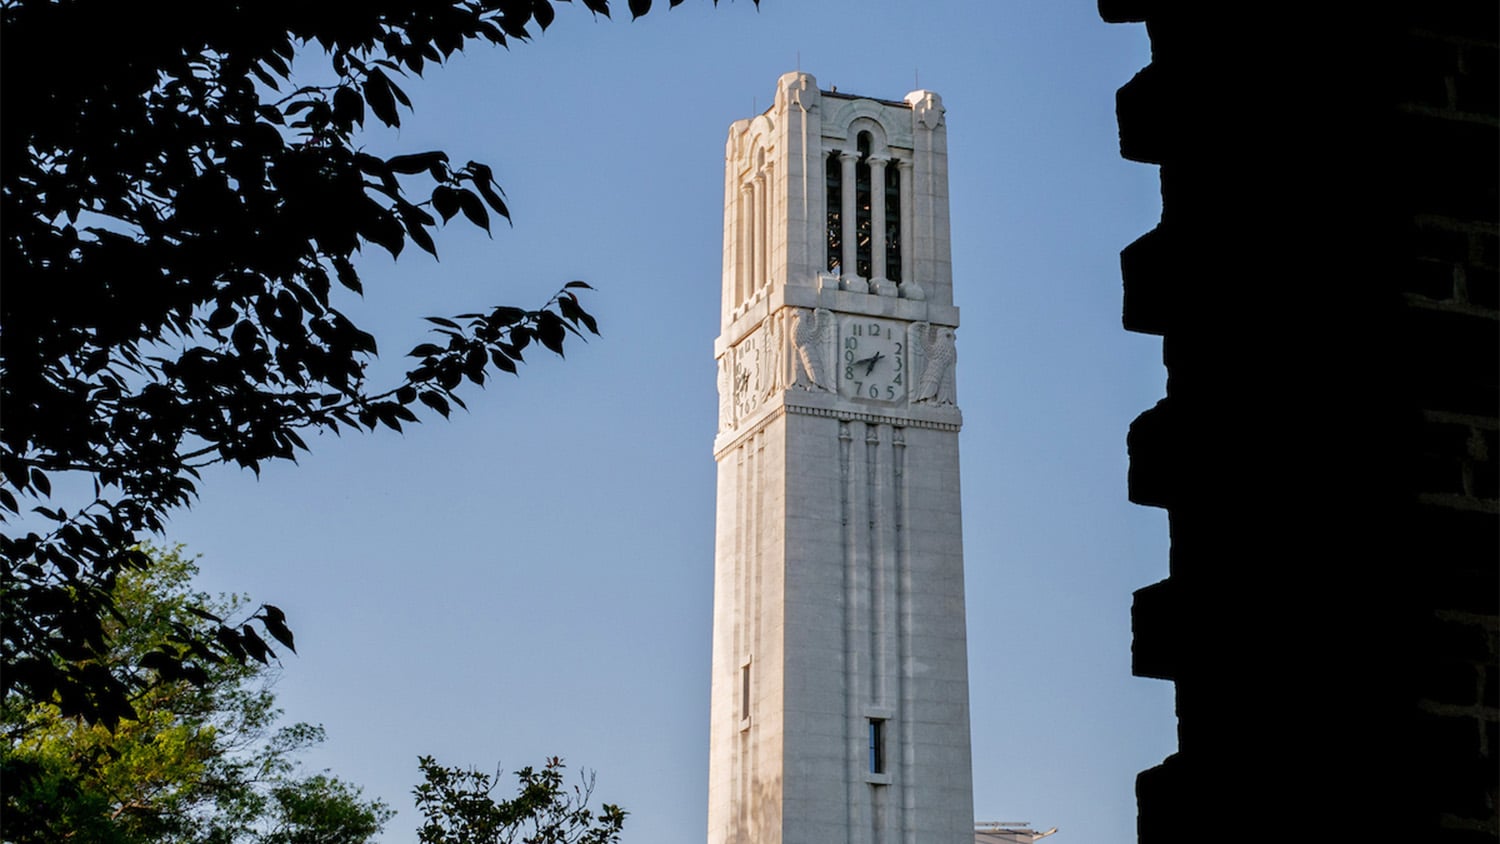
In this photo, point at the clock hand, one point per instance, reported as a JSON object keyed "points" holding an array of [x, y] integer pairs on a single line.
{"points": [[873, 360]]}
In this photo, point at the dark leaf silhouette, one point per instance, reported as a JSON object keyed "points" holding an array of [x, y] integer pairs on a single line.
{"points": [[177, 211]]}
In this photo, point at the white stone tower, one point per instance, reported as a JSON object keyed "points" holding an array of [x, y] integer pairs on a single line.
{"points": [[840, 672]]}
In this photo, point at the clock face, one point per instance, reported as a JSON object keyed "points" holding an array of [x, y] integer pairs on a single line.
{"points": [[872, 359], [750, 372]]}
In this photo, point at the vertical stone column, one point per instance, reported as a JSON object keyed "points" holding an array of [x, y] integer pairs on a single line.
{"points": [[932, 261], [800, 253], [745, 267], [732, 217], [877, 217], [849, 263], [855, 512], [905, 653], [773, 226], [758, 227]]}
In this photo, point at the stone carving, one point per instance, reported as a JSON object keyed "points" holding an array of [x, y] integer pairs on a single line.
{"points": [[799, 89], [810, 333], [726, 393], [935, 387], [771, 353], [928, 107], [755, 372]]}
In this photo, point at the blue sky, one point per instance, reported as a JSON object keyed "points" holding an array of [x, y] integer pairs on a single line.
{"points": [[534, 577]]}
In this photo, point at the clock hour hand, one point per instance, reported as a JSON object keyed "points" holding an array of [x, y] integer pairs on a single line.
{"points": [[874, 359]]}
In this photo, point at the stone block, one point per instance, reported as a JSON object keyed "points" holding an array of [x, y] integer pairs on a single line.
{"points": [[1429, 277], [1467, 20], [1149, 268], [1151, 445], [1438, 243], [1458, 777], [1485, 249], [1484, 456], [1163, 812], [1451, 167], [1455, 355], [1453, 641], [1483, 287], [1155, 631], [1451, 681], [1428, 63], [1143, 117], [1443, 450]]}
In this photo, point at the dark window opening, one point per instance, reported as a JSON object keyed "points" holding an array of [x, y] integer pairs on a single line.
{"points": [[893, 222], [833, 183], [863, 230], [745, 691], [877, 746]]}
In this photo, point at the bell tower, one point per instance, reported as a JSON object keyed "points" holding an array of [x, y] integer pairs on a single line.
{"points": [[840, 702]]}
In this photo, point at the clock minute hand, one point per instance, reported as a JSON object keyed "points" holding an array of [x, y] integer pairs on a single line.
{"points": [[872, 361]]}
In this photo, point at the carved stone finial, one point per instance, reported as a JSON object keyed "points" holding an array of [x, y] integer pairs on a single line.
{"points": [[799, 89], [927, 107]]}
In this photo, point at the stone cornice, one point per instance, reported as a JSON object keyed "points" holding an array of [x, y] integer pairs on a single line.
{"points": [[898, 421], [828, 405]]}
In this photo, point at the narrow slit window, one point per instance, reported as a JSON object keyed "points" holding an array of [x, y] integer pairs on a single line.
{"points": [[833, 179], [893, 222], [877, 746], [863, 231], [745, 690]]}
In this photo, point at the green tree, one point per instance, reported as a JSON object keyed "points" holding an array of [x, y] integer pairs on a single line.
{"points": [[180, 222], [203, 760], [457, 808]]}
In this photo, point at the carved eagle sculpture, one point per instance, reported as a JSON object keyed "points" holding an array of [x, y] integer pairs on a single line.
{"points": [[810, 330], [935, 386]]}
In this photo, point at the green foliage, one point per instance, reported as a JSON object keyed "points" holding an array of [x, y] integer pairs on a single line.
{"points": [[457, 808], [202, 761], [322, 810]]}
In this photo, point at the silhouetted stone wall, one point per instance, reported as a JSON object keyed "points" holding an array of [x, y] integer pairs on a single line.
{"points": [[1324, 278]]}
